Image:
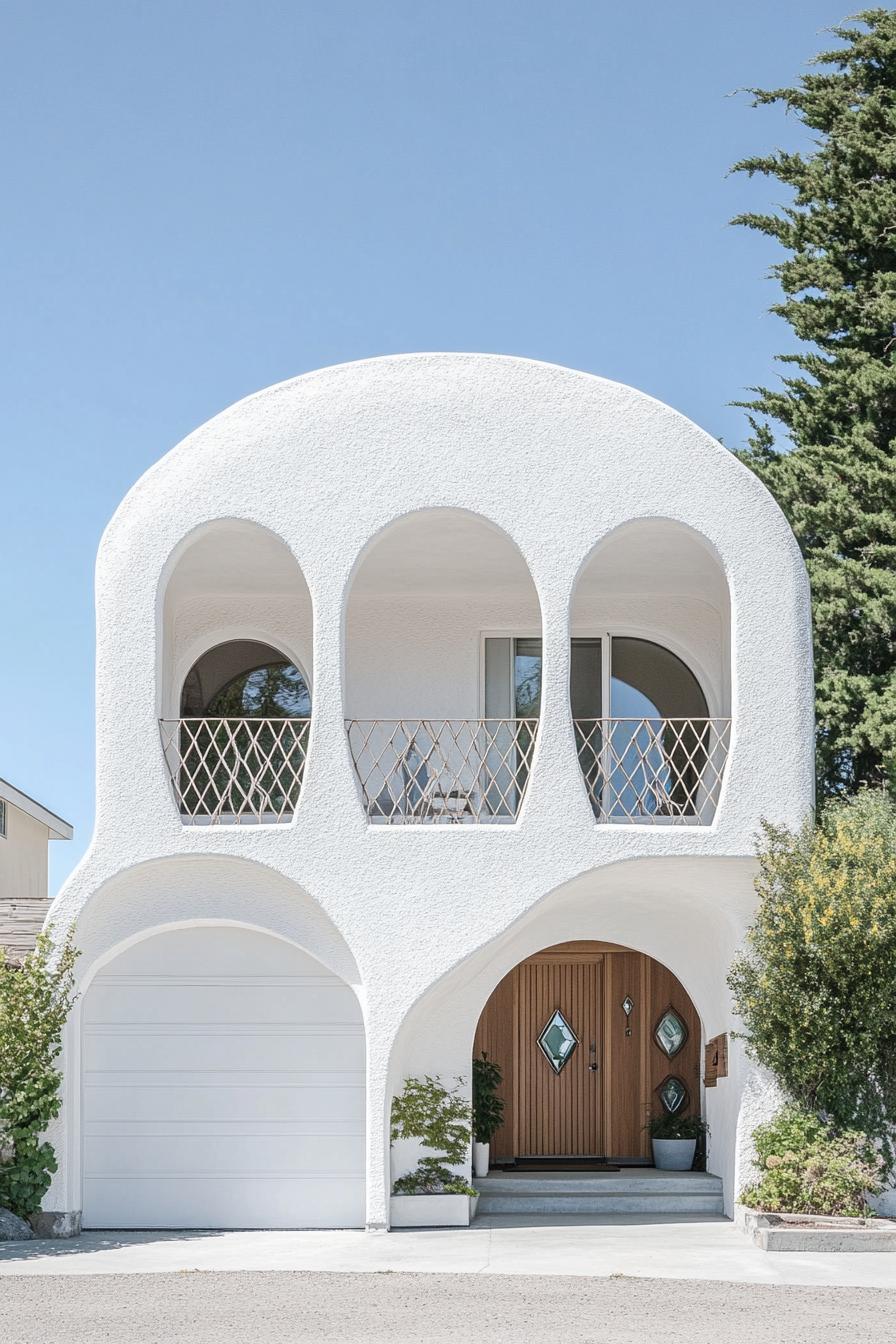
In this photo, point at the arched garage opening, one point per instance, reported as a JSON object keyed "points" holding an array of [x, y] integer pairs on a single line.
{"points": [[223, 1085]]}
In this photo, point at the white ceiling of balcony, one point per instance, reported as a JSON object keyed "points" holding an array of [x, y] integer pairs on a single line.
{"points": [[435, 554], [654, 557], [237, 557]]}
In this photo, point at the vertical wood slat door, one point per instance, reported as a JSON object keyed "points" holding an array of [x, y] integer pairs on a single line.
{"points": [[560, 1114]]}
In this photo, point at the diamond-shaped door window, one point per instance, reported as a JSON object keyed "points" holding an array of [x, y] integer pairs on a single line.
{"points": [[671, 1033], [627, 1006], [673, 1094], [557, 1041]]}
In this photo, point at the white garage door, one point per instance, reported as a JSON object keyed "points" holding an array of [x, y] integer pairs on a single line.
{"points": [[223, 1086]]}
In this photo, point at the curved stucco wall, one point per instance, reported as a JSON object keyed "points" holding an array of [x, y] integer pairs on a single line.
{"points": [[558, 460]]}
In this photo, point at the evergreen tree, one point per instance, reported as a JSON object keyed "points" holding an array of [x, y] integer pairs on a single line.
{"points": [[836, 478]]}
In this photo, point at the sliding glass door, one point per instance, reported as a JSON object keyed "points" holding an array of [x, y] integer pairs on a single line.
{"points": [[512, 702], [640, 720]]}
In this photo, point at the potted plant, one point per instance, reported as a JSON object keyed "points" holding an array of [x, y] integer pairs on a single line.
{"points": [[488, 1110], [674, 1139], [438, 1118]]}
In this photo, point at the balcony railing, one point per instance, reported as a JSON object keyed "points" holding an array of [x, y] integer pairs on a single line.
{"points": [[442, 771], [663, 771], [446, 771], [235, 771]]}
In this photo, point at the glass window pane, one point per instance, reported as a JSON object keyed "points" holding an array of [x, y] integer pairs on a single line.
{"points": [[671, 1032], [651, 682], [557, 1041], [527, 678], [659, 731], [586, 702], [585, 679], [497, 679], [277, 691]]}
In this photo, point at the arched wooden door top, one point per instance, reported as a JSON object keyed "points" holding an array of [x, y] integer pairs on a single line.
{"points": [[611, 999]]}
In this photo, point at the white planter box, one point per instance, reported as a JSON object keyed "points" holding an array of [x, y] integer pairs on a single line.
{"points": [[430, 1210], [813, 1232]]}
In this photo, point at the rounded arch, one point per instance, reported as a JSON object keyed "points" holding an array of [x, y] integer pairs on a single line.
{"points": [[209, 888], [229, 580], [105, 958], [442, 664], [590, 1037], [653, 906], [662, 581], [245, 677], [650, 684], [657, 907]]}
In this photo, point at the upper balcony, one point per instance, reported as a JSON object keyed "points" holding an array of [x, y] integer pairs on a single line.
{"points": [[443, 661]]}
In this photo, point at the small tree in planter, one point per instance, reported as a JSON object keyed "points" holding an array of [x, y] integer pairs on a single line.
{"points": [[488, 1110], [439, 1117], [674, 1139]]}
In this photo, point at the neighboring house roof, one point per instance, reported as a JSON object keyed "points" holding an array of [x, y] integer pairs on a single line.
{"points": [[59, 829]]}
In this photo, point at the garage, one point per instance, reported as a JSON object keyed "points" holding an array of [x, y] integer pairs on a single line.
{"points": [[223, 1086]]}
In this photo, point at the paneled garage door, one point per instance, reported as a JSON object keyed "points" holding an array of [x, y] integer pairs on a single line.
{"points": [[223, 1086]]}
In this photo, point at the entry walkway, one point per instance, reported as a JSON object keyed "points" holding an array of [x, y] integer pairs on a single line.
{"points": [[639, 1246]]}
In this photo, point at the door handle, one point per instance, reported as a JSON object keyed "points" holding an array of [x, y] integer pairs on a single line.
{"points": [[592, 1051]]}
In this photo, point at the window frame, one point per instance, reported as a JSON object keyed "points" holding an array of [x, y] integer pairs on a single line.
{"points": [[606, 636]]}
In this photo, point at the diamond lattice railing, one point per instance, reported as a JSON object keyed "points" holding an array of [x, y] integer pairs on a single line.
{"points": [[430, 771], [235, 771], [653, 770]]}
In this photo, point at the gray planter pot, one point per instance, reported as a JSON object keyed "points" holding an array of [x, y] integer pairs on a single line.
{"points": [[674, 1154]]}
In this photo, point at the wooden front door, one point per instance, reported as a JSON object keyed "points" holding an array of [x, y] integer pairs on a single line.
{"points": [[614, 998], [559, 1003]]}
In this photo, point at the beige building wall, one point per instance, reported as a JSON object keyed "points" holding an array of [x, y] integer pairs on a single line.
{"points": [[23, 881]]}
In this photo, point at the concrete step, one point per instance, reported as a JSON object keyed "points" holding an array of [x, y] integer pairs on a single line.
{"points": [[638, 1190]]}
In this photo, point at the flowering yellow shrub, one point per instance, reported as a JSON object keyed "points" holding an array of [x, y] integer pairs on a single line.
{"points": [[806, 1168]]}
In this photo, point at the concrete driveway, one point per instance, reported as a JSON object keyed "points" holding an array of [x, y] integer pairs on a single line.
{"points": [[693, 1247]]}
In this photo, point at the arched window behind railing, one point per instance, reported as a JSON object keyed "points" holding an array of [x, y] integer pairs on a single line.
{"points": [[647, 746], [237, 753]]}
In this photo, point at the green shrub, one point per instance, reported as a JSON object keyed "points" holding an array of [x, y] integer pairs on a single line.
{"points": [[815, 986], [677, 1127], [488, 1107], [440, 1118], [431, 1177], [809, 1168], [35, 1000]]}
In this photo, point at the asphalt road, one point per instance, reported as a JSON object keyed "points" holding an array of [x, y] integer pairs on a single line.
{"points": [[195, 1307]]}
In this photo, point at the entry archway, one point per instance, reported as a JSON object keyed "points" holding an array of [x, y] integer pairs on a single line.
{"points": [[592, 1038]]}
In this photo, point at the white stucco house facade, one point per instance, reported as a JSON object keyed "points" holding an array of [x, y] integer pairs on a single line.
{"points": [[409, 671]]}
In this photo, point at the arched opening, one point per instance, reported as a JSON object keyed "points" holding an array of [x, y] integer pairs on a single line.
{"points": [[592, 1039], [245, 678], [649, 675], [235, 682], [223, 1085], [442, 671]]}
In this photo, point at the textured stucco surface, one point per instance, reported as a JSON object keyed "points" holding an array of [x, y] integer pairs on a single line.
{"points": [[424, 921]]}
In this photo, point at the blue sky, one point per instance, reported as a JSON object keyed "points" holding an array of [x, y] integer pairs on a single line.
{"points": [[203, 198]]}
